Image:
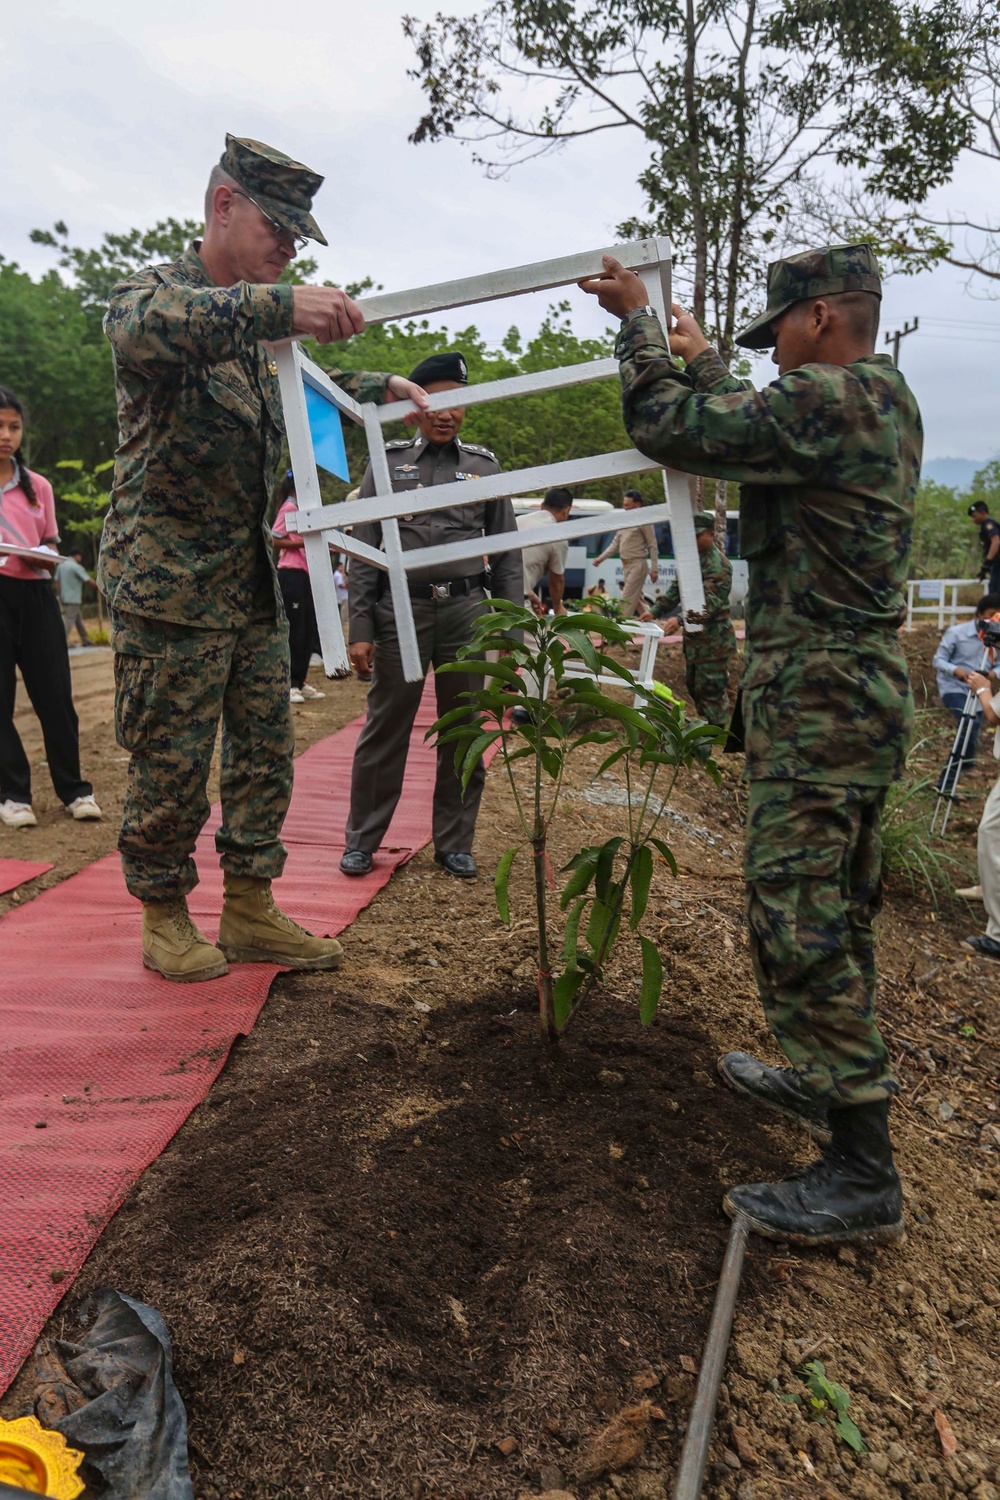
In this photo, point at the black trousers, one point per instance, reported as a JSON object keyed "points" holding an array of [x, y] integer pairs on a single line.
{"points": [[303, 635], [32, 637]]}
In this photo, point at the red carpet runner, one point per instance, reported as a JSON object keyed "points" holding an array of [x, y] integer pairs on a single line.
{"points": [[101, 1061], [15, 872]]}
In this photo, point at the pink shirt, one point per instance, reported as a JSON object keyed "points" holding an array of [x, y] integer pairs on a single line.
{"points": [[289, 557], [26, 525]]}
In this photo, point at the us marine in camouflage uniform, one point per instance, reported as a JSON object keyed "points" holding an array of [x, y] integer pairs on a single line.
{"points": [[198, 628], [829, 460], [707, 652]]}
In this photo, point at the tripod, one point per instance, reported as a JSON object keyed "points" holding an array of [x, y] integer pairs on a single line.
{"points": [[959, 751]]}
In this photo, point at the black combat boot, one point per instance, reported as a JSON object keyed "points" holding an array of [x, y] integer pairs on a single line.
{"points": [[852, 1193], [775, 1088]]}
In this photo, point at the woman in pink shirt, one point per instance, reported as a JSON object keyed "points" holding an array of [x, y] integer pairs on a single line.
{"points": [[296, 594], [32, 637]]}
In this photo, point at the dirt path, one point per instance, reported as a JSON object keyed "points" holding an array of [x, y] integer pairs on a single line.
{"points": [[405, 1251]]}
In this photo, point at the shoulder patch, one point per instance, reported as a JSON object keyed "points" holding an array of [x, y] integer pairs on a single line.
{"points": [[478, 448]]}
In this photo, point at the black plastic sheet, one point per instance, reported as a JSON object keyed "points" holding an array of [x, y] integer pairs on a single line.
{"points": [[112, 1396]]}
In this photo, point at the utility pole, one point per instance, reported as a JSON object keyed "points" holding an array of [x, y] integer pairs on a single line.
{"points": [[900, 333]]}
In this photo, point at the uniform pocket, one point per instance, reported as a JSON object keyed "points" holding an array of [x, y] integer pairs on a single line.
{"points": [[140, 660]]}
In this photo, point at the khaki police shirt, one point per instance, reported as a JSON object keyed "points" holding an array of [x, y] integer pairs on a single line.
{"points": [[637, 541], [548, 557], [413, 465]]}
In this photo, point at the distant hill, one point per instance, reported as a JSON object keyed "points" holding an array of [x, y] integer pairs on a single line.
{"points": [[957, 473]]}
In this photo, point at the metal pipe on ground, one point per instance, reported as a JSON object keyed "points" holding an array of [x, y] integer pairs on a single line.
{"points": [[694, 1454]]}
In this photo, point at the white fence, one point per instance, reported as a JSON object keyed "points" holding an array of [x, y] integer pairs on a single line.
{"points": [[323, 525], [939, 597]]}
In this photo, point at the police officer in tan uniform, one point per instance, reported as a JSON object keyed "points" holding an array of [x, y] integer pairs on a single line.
{"points": [[445, 609], [639, 554]]}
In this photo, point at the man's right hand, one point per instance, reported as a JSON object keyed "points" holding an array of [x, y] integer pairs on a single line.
{"points": [[324, 313], [362, 654], [961, 674], [686, 339]]}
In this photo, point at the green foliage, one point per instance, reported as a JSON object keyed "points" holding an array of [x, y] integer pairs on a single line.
{"points": [[826, 1398], [743, 110], [95, 271], [910, 851], [945, 542], [88, 502], [605, 883], [530, 430], [59, 365]]}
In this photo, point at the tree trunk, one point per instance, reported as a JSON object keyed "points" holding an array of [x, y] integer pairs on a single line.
{"points": [[698, 226]]}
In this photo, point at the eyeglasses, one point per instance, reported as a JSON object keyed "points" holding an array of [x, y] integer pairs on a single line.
{"points": [[300, 241]]}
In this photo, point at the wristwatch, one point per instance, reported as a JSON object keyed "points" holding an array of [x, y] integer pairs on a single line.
{"points": [[638, 312]]}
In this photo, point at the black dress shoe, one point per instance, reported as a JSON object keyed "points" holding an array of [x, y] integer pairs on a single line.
{"points": [[986, 946], [852, 1193], [521, 716], [462, 865], [356, 862], [775, 1088]]}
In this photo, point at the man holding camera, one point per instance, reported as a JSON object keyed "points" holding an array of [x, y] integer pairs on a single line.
{"points": [[987, 944]]}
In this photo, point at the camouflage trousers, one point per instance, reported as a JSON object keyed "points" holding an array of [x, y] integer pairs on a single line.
{"points": [[174, 686], [814, 888], [707, 682]]}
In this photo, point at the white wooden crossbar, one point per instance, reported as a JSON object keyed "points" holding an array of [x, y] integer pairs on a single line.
{"points": [[323, 526]]}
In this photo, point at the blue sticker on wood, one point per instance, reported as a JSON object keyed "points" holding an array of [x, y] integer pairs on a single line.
{"points": [[327, 434]]}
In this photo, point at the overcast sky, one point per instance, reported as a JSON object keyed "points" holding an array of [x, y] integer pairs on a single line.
{"points": [[114, 115]]}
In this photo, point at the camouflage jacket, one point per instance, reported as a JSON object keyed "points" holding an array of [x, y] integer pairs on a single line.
{"points": [[829, 460], [200, 435], [717, 640]]}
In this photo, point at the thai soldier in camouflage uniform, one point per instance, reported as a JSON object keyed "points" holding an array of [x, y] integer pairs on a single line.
{"points": [[707, 652], [197, 624], [829, 459]]}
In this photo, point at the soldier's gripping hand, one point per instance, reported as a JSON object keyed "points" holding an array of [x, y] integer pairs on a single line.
{"points": [[324, 313], [362, 654], [686, 339]]}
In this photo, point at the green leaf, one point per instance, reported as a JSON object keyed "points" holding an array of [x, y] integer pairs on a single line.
{"points": [[640, 876], [848, 1430], [571, 936], [564, 993], [652, 981], [501, 881], [578, 881], [474, 754], [605, 867], [667, 853], [582, 647], [552, 759]]}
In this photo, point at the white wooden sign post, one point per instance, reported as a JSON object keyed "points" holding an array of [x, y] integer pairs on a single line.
{"points": [[325, 526]]}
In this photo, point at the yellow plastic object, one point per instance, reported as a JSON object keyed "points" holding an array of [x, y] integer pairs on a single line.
{"points": [[34, 1458]]}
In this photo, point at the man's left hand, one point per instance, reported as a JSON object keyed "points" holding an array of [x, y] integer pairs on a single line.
{"points": [[618, 290]]}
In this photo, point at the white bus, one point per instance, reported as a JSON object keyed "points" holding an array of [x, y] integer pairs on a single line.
{"points": [[581, 574]]}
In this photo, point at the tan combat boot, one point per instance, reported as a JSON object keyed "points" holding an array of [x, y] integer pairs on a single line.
{"points": [[173, 946], [253, 931]]}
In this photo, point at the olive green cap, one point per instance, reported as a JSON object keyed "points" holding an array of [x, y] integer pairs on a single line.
{"points": [[704, 520], [814, 273], [282, 188]]}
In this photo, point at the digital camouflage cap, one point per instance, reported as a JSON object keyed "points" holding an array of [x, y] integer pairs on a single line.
{"points": [[282, 189], [814, 273]]}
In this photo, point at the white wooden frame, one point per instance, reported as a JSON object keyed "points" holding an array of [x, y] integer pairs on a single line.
{"points": [[324, 526]]}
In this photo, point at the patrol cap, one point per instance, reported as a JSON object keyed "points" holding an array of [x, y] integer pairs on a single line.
{"points": [[976, 507], [704, 520], [282, 188], [447, 366], [814, 273]]}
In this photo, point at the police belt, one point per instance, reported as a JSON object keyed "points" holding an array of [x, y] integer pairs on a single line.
{"points": [[451, 588]]}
